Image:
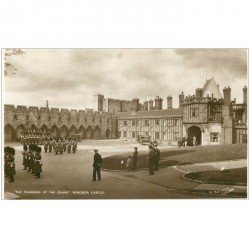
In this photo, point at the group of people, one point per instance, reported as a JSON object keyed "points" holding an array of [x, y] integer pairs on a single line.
{"points": [[32, 159], [9, 163], [60, 145], [31, 137], [153, 158]]}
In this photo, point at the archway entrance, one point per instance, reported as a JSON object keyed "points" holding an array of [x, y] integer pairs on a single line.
{"points": [[44, 129], [97, 133], [82, 132], [194, 131], [8, 133], [54, 132], [89, 133], [108, 133], [63, 132], [19, 131]]}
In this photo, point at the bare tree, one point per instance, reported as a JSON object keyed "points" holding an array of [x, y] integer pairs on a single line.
{"points": [[9, 68]]}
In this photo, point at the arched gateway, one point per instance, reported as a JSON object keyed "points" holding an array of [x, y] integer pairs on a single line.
{"points": [[194, 131]]}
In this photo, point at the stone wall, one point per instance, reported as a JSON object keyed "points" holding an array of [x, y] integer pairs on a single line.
{"points": [[89, 123]]}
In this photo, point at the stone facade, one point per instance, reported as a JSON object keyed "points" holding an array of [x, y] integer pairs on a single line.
{"points": [[88, 123]]}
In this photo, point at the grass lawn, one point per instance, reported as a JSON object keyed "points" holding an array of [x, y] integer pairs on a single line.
{"points": [[181, 156], [230, 176]]}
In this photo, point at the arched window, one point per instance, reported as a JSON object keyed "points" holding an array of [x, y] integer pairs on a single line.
{"points": [[39, 118], [15, 117]]}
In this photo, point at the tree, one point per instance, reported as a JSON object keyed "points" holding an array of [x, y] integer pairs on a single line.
{"points": [[9, 68]]}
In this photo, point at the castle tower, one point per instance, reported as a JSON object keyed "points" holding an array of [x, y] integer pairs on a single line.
{"points": [[158, 103], [199, 93], [150, 104], [170, 102], [135, 104], [227, 95], [181, 99], [100, 102], [145, 105], [245, 95]]}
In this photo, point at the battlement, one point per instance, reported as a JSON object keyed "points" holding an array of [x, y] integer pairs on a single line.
{"points": [[194, 99]]}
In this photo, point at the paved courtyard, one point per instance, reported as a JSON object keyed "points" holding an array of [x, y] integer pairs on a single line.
{"points": [[68, 176]]}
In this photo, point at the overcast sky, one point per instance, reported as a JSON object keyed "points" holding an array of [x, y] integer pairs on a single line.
{"points": [[71, 78]]}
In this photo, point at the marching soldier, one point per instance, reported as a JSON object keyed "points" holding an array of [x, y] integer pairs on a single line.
{"points": [[6, 159], [50, 145], [69, 146], [46, 145], [10, 163], [64, 144], [74, 147]]}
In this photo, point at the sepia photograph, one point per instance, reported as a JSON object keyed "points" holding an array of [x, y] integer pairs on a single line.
{"points": [[124, 123]]}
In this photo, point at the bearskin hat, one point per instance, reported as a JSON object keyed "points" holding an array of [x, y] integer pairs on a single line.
{"points": [[12, 151], [38, 149], [25, 147]]}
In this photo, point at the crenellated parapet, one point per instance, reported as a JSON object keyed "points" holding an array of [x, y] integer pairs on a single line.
{"points": [[55, 119]]}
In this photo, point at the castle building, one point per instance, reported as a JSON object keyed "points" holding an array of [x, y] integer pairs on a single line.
{"points": [[207, 115], [58, 123]]}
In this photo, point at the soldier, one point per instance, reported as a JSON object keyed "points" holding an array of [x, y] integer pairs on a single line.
{"points": [[11, 164], [64, 144], [60, 147], [97, 165], [6, 158], [46, 144], [135, 156], [50, 145], [69, 146], [157, 158], [25, 153], [38, 162], [151, 160], [74, 146]]}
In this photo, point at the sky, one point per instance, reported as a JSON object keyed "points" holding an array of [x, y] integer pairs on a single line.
{"points": [[72, 78]]}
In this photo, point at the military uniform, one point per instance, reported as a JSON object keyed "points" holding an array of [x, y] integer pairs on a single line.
{"points": [[97, 166], [69, 147], [25, 153], [10, 167], [38, 162], [74, 146]]}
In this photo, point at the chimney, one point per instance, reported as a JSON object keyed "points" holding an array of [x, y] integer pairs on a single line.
{"points": [[145, 105], [47, 103], [227, 95], [135, 104], [158, 103], [100, 102], [245, 95], [181, 99], [170, 102], [151, 104]]}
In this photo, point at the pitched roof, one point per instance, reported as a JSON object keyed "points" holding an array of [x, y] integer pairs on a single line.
{"points": [[211, 87], [151, 113]]}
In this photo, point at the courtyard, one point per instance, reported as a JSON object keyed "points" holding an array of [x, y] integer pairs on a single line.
{"points": [[68, 176]]}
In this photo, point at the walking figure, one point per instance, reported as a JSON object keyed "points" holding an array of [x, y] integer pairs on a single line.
{"points": [[97, 165]]}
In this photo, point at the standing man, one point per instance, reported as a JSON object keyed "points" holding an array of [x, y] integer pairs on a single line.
{"points": [[97, 165], [151, 160], [25, 153], [135, 156], [157, 157], [194, 141]]}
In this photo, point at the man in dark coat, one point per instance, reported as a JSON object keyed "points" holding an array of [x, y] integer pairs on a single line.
{"points": [[151, 160], [157, 157], [97, 165], [25, 153], [135, 156]]}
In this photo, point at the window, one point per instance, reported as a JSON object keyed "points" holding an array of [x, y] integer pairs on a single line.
{"points": [[193, 112], [124, 133], [176, 135], [175, 122], [119, 134], [157, 122], [133, 122], [125, 123], [133, 134], [157, 135], [214, 137], [146, 123], [15, 117]]}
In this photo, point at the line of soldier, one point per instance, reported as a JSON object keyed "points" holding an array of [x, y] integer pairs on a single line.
{"points": [[32, 159], [32, 137], [60, 145], [153, 158], [9, 163]]}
